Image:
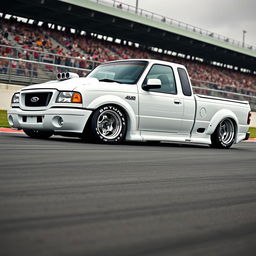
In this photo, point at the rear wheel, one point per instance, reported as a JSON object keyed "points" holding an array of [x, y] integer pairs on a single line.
{"points": [[38, 134], [224, 134], [108, 124]]}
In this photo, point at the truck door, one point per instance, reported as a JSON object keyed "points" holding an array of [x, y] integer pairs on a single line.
{"points": [[160, 110]]}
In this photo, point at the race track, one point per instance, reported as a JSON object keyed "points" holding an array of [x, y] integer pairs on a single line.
{"points": [[65, 197]]}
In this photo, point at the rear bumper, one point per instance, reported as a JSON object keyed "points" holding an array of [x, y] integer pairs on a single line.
{"points": [[247, 136], [56, 120]]}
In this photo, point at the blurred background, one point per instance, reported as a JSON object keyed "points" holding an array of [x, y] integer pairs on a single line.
{"points": [[40, 38]]}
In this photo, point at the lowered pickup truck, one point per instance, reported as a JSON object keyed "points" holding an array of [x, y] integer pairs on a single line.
{"points": [[133, 100]]}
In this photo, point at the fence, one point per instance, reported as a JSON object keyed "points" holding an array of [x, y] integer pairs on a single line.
{"points": [[47, 57], [25, 72], [226, 95], [19, 71]]}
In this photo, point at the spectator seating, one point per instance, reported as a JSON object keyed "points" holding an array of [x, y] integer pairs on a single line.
{"points": [[37, 43]]}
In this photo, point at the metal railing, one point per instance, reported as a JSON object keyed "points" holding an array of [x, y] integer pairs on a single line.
{"points": [[219, 87], [25, 72], [47, 57], [13, 70], [226, 95], [230, 92], [172, 22]]}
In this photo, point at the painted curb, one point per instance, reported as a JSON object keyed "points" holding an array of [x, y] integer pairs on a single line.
{"points": [[9, 130], [252, 140]]}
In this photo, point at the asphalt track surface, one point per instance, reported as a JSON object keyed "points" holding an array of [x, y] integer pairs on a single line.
{"points": [[64, 197]]}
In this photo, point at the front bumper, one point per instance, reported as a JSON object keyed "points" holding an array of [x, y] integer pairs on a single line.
{"points": [[53, 119]]}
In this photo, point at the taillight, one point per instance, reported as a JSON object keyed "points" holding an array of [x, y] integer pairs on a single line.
{"points": [[249, 118]]}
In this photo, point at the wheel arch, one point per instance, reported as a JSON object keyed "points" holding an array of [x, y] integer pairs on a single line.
{"points": [[119, 102], [218, 117]]}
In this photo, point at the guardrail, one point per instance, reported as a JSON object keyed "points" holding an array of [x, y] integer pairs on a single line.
{"points": [[14, 70], [172, 22], [226, 95], [47, 57], [25, 72], [219, 87]]}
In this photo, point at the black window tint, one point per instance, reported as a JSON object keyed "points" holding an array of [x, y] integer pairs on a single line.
{"points": [[166, 76], [186, 88]]}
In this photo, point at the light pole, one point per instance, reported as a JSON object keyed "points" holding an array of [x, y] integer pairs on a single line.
{"points": [[244, 32], [137, 4]]}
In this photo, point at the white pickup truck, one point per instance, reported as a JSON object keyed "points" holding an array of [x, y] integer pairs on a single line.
{"points": [[133, 100]]}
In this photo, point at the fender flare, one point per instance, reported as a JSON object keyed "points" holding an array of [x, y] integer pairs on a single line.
{"points": [[218, 117], [112, 99]]}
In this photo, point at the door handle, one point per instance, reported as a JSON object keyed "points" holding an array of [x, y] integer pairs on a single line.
{"points": [[176, 101]]}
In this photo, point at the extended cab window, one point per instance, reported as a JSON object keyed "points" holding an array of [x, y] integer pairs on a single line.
{"points": [[166, 76], [186, 88]]}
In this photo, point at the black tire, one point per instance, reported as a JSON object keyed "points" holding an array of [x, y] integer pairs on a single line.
{"points": [[38, 134], [224, 134], [108, 124]]}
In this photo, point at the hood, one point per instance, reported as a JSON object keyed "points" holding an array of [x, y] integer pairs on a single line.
{"points": [[81, 83], [66, 85]]}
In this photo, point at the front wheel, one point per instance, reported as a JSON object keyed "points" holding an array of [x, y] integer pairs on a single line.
{"points": [[38, 134], [108, 124], [224, 134]]}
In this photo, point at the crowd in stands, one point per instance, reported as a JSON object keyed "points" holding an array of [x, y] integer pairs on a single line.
{"points": [[66, 49]]}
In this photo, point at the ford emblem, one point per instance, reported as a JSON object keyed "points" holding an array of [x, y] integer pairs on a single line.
{"points": [[34, 99]]}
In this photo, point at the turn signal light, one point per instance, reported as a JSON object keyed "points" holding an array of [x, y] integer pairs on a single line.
{"points": [[76, 98]]}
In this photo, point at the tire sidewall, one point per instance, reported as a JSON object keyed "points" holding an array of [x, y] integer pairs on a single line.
{"points": [[217, 141], [94, 128], [222, 144]]}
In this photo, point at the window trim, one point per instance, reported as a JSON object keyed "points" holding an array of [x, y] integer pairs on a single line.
{"points": [[151, 90], [182, 84]]}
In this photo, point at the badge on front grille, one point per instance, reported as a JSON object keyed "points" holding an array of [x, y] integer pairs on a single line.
{"points": [[37, 99], [34, 99]]}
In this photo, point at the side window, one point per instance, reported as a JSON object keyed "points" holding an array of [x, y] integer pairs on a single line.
{"points": [[165, 74], [186, 88]]}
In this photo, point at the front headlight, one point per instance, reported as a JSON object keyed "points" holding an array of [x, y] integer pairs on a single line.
{"points": [[16, 98], [69, 97]]}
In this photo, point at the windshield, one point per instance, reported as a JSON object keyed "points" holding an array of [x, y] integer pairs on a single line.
{"points": [[125, 72]]}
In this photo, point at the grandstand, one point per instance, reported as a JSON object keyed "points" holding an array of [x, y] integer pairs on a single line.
{"points": [[33, 51]]}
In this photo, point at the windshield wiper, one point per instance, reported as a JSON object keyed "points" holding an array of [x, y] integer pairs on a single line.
{"points": [[109, 80]]}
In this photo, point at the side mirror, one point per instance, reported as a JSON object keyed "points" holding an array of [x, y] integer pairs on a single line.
{"points": [[152, 83]]}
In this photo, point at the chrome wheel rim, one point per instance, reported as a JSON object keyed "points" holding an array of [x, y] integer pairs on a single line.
{"points": [[109, 124], [227, 131]]}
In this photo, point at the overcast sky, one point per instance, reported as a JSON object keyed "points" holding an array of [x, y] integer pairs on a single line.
{"points": [[226, 17]]}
